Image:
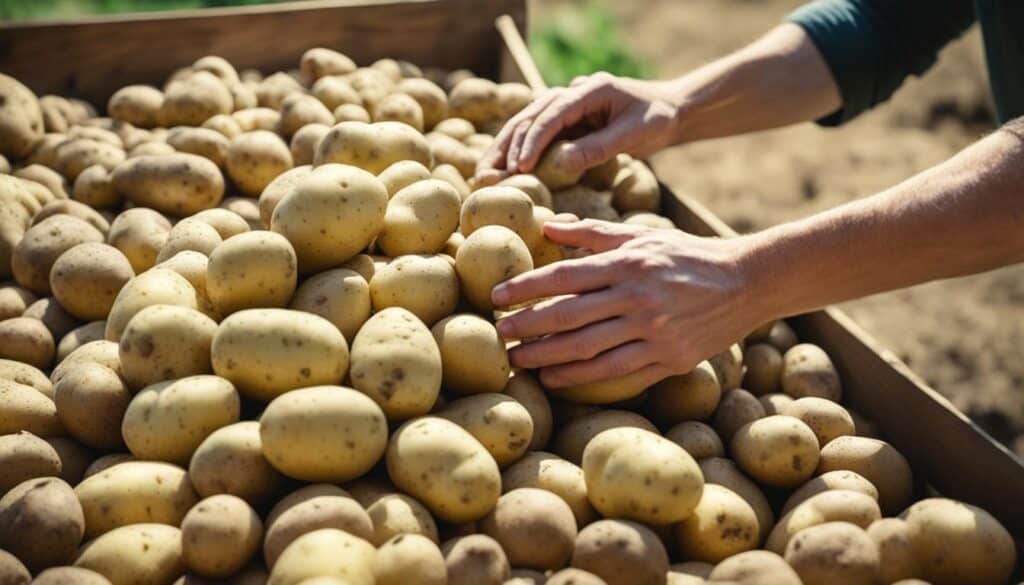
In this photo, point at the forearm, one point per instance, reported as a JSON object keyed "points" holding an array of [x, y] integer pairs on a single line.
{"points": [[778, 80], [958, 218]]}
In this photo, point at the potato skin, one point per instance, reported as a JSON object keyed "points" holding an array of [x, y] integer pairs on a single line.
{"points": [[44, 242], [164, 342], [722, 524], [698, 439], [692, 396], [489, 256], [878, 462], [535, 527], [435, 447], [830, 506], [475, 99], [473, 354], [153, 287], [311, 508], [178, 184], [528, 392], [139, 233], [27, 340], [895, 549], [777, 450], [22, 118], [724, 472], [841, 479], [827, 419], [393, 513], [91, 400], [138, 105], [373, 147], [340, 295], [420, 218], [497, 421], [621, 552], [409, 559], [834, 552], [425, 285], [23, 408], [255, 158], [219, 535], [574, 436], [41, 522], [326, 552], [157, 558], [70, 576], [230, 461], [86, 279], [808, 371], [24, 457], [757, 567], [277, 189], [252, 270]]}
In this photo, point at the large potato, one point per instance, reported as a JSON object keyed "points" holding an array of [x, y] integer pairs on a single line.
{"points": [[230, 461], [138, 105], [829, 506], [526, 390], [420, 218], [499, 422], [327, 552], [395, 361], [830, 480], [444, 467], [91, 400], [393, 513], [574, 436], [878, 462], [219, 535], [545, 471], [808, 371], [341, 296], [153, 287], [489, 256], [777, 450], [164, 342], [426, 286], [473, 355], [323, 433], [135, 492], [267, 352], [475, 559], [622, 553], [43, 243], [86, 279], [331, 215], [27, 340], [535, 527], [139, 234], [156, 558], [837, 553], [409, 559], [373, 147], [21, 119], [692, 396], [723, 524], [311, 508], [25, 456], [255, 158], [252, 270], [41, 522], [177, 184]]}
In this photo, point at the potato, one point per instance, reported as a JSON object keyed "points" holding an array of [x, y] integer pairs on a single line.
{"points": [[475, 559], [333, 91], [218, 66], [255, 158], [723, 524], [226, 222], [490, 255], [895, 549], [635, 188], [43, 243], [585, 203], [225, 124], [402, 174], [139, 234], [70, 576], [834, 552], [621, 552], [444, 467], [505, 206], [458, 128], [151, 148], [14, 300], [327, 552], [639, 475], [513, 97], [959, 543], [74, 155], [568, 576], [26, 340], [535, 527], [737, 408], [525, 389], [246, 208], [551, 169], [453, 177], [25, 457], [178, 184], [305, 140], [693, 396], [574, 436], [756, 567], [101, 352], [476, 100], [135, 492], [724, 472], [728, 366], [808, 371], [531, 185], [230, 461], [331, 215], [192, 266], [22, 119], [156, 558], [399, 107], [698, 439], [153, 287], [351, 113], [311, 508], [46, 177], [689, 573], [41, 523], [775, 402], [340, 295], [447, 150], [319, 62], [473, 355], [323, 433], [878, 462], [262, 118], [420, 218], [56, 113], [74, 458], [373, 147], [106, 462], [432, 100], [776, 450], [299, 110], [827, 419], [202, 142], [409, 559], [53, 316], [831, 480], [91, 400], [23, 373], [764, 369], [393, 514], [195, 99], [541, 470], [498, 422], [828, 506], [86, 278], [266, 352], [252, 270], [426, 286], [277, 189], [138, 105], [219, 535], [646, 219]]}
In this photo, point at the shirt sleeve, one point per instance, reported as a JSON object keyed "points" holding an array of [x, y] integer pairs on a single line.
{"points": [[871, 46]]}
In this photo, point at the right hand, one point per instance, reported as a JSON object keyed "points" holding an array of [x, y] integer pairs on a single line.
{"points": [[603, 114]]}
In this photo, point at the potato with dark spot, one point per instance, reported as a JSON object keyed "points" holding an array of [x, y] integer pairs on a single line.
{"points": [[27, 340], [310, 508], [698, 439], [74, 155], [409, 559], [830, 480], [723, 524], [420, 218], [878, 462], [43, 243], [178, 184], [255, 158], [621, 552], [808, 371], [86, 279], [475, 559], [692, 396], [777, 450], [426, 286], [94, 188], [41, 523], [341, 296], [836, 553], [230, 461], [535, 527], [724, 472], [91, 400], [498, 422], [139, 234], [24, 457], [219, 535], [155, 557], [829, 506], [957, 543], [252, 270], [135, 492], [195, 99], [373, 147], [153, 287]]}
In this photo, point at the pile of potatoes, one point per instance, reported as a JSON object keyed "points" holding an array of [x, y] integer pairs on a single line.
{"points": [[246, 336]]}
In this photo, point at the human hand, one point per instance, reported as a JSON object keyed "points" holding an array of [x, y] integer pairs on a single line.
{"points": [[648, 301], [606, 115]]}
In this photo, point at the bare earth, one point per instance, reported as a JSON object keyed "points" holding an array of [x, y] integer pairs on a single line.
{"points": [[963, 336]]}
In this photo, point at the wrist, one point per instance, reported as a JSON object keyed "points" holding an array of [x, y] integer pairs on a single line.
{"points": [[760, 263]]}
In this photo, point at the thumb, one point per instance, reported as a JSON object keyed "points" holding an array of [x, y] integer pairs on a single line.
{"points": [[592, 234], [597, 147]]}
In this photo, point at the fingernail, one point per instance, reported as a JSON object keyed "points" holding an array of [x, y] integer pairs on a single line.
{"points": [[499, 296]]}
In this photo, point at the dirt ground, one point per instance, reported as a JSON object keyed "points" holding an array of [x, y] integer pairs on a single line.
{"points": [[963, 336]]}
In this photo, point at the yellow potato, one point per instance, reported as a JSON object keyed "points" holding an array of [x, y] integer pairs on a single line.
{"points": [[447, 150], [299, 110], [75, 458], [473, 355], [41, 523], [327, 552], [350, 113], [426, 286], [311, 508], [189, 235], [756, 567], [86, 278], [895, 546], [827, 419], [476, 100], [158, 561], [202, 142], [334, 91], [191, 266], [475, 559], [154, 287], [341, 296], [74, 155], [261, 118], [46, 177], [458, 128], [764, 369], [21, 119], [621, 553], [70, 576], [194, 99], [44, 242], [219, 535], [879, 462], [453, 177], [244, 207], [14, 300], [552, 171], [230, 461], [574, 436], [546, 471], [27, 340], [808, 371], [526, 390], [54, 318], [635, 188], [91, 400], [831, 480], [505, 206], [692, 396], [489, 256], [531, 185], [319, 62], [698, 439], [255, 158], [777, 450], [420, 218], [402, 174], [139, 234], [23, 373], [177, 184], [775, 402], [100, 352], [828, 506], [723, 524], [252, 270], [431, 99], [647, 219], [24, 457], [305, 140], [736, 408], [498, 422], [535, 527], [164, 342], [277, 189], [373, 147], [729, 367], [393, 513], [135, 492], [226, 222], [834, 552], [218, 66], [399, 107], [513, 97], [409, 560]]}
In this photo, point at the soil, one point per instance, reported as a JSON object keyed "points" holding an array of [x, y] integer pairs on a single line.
{"points": [[963, 336]]}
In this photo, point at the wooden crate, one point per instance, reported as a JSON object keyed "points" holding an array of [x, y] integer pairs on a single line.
{"points": [[91, 58]]}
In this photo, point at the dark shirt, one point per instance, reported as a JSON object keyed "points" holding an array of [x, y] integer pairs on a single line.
{"points": [[871, 46]]}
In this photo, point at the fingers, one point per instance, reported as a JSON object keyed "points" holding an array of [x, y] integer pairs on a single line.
{"points": [[561, 278], [563, 314], [523, 121], [635, 359], [599, 236], [573, 346], [600, 146], [567, 110], [495, 157]]}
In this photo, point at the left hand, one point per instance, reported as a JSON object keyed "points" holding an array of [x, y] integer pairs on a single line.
{"points": [[655, 302]]}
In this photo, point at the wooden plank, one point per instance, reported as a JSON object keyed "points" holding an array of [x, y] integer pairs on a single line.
{"points": [[91, 58], [517, 55]]}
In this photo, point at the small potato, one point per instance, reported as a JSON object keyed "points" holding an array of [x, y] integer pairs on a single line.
{"points": [[106, 462], [277, 189], [333, 91], [178, 184], [255, 158], [192, 265], [621, 552], [775, 403], [153, 287], [319, 62], [723, 524], [724, 472], [262, 118], [25, 457], [490, 255], [647, 219], [635, 188], [453, 177], [399, 107], [729, 367], [225, 124], [327, 552], [43, 243], [230, 461], [228, 223], [409, 559], [299, 110], [531, 185], [473, 355], [545, 471], [475, 559], [151, 148], [70, 576], [193, 100], [341, 296], [698, 439], [420, 218], [764, 369], [736, 409], [431, 99], [27, 340], [895, 546], [475, 100], [46, 177], [526, 390], [218, 66], [219, 535], [202, 142], [86, 279], [135, 492], [331, 215], [827, 419], [351, 113], [267, 352], [421, 458], [252, 270], [568, 576], [639, 475], [808, 371], [692, 396], [535, 527], [498, 422], [402, 174], [139, 234], [23, 373], [756, 567], [74, 155], [323, 433], [311, 508], [449, 151], [156, 558], [776, 450], [168, 421], [879, 462], [552, 169], [837, 553], [393, 514], [53, 316], [574, 436], [305, 141], [41, 523], [828, 506], [513, 97], [75, 458], [246, 208], [373, 147], [458, 128], [14, 300], [189, 234], [504, 206], [91, 400], [830, 480], [396, 362], [22, 119]]}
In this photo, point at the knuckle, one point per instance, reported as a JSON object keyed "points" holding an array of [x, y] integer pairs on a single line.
{"points": [[583, 349], [563, 318]]}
